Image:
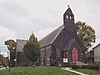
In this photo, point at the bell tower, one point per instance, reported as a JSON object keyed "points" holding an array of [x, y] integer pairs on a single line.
{"points": [[68, 16], [69, 31]]}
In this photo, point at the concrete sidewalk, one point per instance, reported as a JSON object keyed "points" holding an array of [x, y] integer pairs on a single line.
{"points": [[69, 69]]}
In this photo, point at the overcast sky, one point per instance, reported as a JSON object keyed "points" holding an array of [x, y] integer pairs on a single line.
{"points": [[19, 18]]}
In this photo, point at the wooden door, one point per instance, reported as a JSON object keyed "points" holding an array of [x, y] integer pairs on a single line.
{"points": [[75, 55]]}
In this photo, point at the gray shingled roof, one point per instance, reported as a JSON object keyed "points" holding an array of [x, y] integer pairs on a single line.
{"points": [[68, 46], [96, 46], [50, 37]]}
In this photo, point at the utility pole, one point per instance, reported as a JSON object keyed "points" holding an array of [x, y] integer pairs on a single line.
{"points": [[8, 54]]}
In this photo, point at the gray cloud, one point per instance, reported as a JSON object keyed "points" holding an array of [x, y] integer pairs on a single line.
{"points": [[14, 8]]}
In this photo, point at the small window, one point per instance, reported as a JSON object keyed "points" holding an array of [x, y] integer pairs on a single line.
{"points": [[70, 17], [67, 16]]}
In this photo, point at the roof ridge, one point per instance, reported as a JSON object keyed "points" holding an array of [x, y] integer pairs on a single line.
{"points": [[49, 39], [57, 35]]}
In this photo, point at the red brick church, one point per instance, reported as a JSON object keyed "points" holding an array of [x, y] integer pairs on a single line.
{"points": [[63, 44]]}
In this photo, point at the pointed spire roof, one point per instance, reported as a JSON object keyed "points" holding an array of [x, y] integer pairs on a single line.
{"points": [[69, 11]]}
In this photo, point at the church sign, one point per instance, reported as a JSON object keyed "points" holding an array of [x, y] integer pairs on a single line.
{"points": [[65, 60]]}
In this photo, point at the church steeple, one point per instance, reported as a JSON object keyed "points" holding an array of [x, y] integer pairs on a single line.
{"points": [[68, 16]]}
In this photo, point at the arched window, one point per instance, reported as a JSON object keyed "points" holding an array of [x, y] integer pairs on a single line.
{"points": [[67, 16], [70, 17]]}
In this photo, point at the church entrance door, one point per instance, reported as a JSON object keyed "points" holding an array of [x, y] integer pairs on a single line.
{"points": [[74, 55]]}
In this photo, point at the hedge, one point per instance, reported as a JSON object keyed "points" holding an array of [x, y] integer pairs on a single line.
{"points": [[94, 67]]}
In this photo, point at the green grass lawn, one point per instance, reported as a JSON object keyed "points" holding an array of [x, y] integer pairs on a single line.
{"points": [[88, 71], [41, 70]]}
